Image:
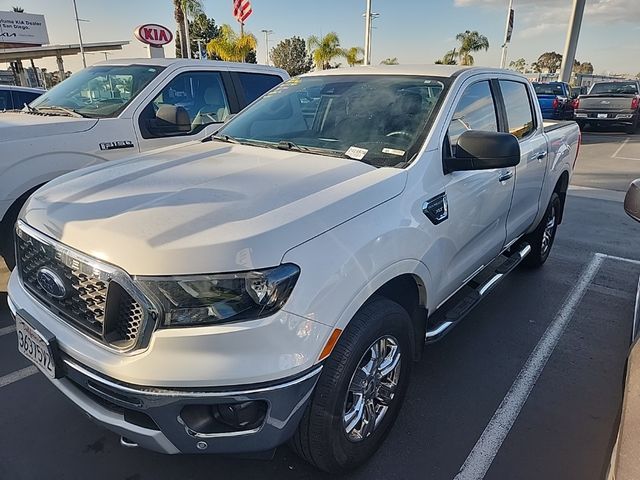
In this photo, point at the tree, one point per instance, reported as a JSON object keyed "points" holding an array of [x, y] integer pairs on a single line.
{"points": [[182, 10], [584, 68], [203, 28], [449, 58], [18, 9], [549, 62], [470, 42], [390, 61], [291, 55], [231, 47], [519, 65], [325, 49], [353, 56]]}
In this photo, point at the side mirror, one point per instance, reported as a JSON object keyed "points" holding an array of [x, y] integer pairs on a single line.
{"points": [[477, 150], [632, 200]]}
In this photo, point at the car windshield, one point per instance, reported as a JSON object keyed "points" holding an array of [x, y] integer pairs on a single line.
{"points": [[614, 87], [98, 92], [548, 89], [377, 119]]}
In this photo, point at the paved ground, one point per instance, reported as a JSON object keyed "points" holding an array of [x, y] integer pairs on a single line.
{"points": [[564, 430]]}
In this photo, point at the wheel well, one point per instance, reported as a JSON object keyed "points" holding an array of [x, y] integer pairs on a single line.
{"points": [[561, 189], [409, 292], [15, 207]]}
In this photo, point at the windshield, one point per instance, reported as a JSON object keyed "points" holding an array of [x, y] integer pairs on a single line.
{"points": [[98, 92], [377, 119], [614, 87], [548, 89]]}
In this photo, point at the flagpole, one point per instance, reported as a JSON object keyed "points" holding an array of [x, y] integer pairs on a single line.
{"points": [[503, 60]]}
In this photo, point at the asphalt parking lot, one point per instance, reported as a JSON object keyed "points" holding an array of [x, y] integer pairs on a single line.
{"points": [[477, 383]]}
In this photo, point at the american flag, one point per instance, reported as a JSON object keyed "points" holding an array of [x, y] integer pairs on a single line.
{"points": [[242, 10]]}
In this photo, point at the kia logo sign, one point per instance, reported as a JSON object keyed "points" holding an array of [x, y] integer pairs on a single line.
{"points": [[154, 35]]}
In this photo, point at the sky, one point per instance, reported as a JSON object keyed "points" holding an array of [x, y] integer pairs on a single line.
{"points": [[414, 31]]}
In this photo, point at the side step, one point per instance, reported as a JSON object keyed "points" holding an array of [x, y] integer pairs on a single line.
{"points": [[454, 310]]}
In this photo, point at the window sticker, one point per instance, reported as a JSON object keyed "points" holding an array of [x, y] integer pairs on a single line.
{"points": [[393, 151], [356, 153]]}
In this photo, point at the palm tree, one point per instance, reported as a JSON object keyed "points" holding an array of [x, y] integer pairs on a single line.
{"points": [[231, 47], [182, 10], [449, 58], [18, 9], [353, 56], [389, 61], [325, 49], [470, 42]]}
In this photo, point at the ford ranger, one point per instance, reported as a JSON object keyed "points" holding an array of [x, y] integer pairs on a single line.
{"points": [[276, 281], [114, 110]]}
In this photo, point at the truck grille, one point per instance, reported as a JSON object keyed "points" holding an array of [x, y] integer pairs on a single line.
{"points": [[81, 291]]}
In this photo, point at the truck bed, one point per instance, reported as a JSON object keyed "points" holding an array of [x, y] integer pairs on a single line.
{"points": [[551, 125]]}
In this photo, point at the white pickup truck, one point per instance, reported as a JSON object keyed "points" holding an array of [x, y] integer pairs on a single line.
{"points": [[276, 281], [114, 110]]}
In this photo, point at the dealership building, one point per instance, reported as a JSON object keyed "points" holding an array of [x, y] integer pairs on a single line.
{"points": [[24, 37]]}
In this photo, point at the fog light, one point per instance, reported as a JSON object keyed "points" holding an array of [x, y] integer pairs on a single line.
{"points": [[224, 418]]}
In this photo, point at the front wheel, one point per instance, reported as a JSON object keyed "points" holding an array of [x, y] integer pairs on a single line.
{"points": [[541, 239], [360, 390]]}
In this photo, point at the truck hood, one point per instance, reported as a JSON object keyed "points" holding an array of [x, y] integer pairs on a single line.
{"points": [[20, 125], [206, 207]]}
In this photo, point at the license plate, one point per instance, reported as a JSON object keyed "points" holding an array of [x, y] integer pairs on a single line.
{"points": [[603, 115], [33, 345]]}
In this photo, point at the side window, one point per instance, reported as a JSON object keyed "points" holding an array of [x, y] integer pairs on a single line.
{"points": [[185, 106], [5, 100], [257, 84], [476, 110], [518, 107], [20, 98]]}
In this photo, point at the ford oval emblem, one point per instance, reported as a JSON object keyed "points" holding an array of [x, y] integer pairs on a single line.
{"points": [[52, 283]]}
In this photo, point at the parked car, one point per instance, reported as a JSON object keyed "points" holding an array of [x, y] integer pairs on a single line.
{"points": [[15, 98], [113, 110], [624, 458], [555, 100], [276, 281], [610, 103]]}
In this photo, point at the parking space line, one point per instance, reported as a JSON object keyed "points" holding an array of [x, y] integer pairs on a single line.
{"points": [[620, 259], [486, 448], [622, 145], [17, 375], [7, 330], [627, 158]]}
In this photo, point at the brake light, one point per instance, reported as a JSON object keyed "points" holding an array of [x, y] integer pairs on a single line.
{"points": [[556, 103], [634, 103], [576, 104]]}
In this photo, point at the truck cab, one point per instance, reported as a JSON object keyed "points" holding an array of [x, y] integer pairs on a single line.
{"points": [[116, 109]]}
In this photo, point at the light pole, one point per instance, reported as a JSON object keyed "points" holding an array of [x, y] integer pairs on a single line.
{"points": [[84, 60], [572, 41], [266, 42], [367, 35], [507, 35]]}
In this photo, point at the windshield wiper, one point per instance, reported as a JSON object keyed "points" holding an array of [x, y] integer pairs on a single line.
{"points": [[223, 138], [30, 109], [288, 145], [68, 111]]}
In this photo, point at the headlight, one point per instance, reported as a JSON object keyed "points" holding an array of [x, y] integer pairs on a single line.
{"points": [[228, 297]]}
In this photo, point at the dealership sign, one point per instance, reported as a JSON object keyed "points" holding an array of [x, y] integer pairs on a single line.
{"points": [[23, 29], [154, 35]]}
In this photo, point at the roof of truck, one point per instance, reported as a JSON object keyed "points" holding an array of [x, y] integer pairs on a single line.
{"points": [[427, 70], [184, 62]]}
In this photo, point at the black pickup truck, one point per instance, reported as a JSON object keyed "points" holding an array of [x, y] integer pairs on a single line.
{"points": [[610, 103]]}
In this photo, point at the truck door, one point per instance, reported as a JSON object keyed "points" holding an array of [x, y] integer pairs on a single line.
{"points": [[183, 108], [478, 201], [522, 122]]}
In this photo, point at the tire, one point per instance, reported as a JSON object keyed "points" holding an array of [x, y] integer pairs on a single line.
{"points": [[541, 239], [323, 437]]}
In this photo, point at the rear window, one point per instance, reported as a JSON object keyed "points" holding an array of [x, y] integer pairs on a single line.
{"points": [[548, 89], [5, 100], [615, 88], [257, 84]]}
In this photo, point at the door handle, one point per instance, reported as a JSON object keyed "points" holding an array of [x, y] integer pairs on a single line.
{"points": [[539, 156], [506, 175]]}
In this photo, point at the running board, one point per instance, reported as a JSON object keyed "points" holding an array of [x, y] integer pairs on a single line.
{"points": [[453, 311]]}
